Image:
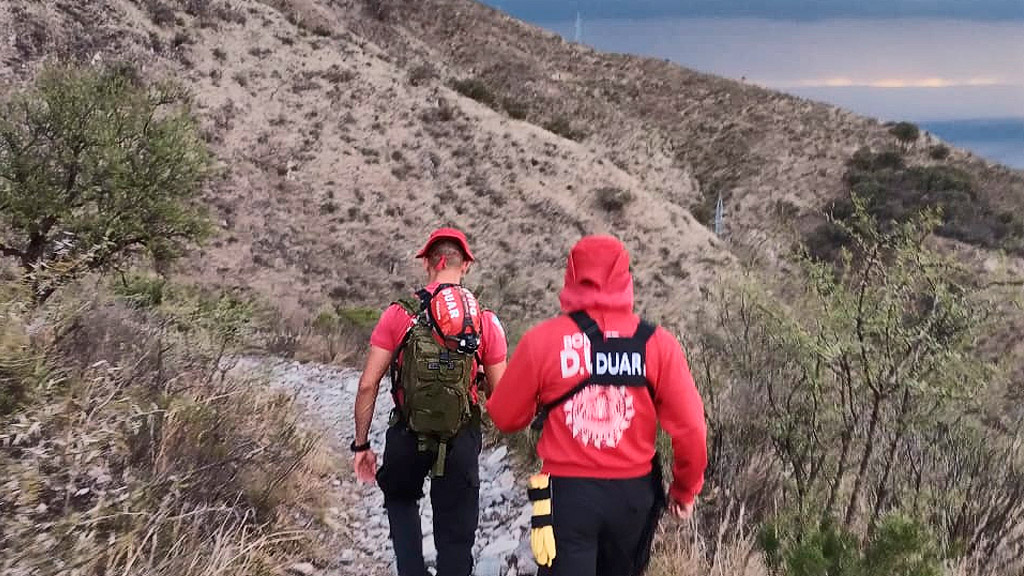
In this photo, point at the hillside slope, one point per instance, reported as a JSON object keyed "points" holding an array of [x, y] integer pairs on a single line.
{"points": [[336, 164], [341, 144]]}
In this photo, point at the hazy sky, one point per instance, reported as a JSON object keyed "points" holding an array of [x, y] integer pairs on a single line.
{"points": [[919, 69], [556, 10]]}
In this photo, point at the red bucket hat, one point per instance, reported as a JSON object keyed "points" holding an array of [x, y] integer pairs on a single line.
{"points": [[447, 234]]}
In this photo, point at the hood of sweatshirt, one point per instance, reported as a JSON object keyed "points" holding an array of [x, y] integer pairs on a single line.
{"points": [[597, 276]]}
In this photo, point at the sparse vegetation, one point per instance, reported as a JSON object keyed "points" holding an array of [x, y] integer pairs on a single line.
{"points": [[867, 412], [562, 126], [80, 192], [422, 74], [160, 13], [516, 109], [476, 89], [613, 199], [892, 192], [135, 437], [939, 152]]}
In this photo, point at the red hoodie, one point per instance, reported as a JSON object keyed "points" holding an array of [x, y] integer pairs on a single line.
{"points": [[604, 431]]}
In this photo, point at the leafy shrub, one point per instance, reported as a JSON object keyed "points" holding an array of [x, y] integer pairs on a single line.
{"points": [[142, 291], [703, 212], [613, 199], [359, 317], [906, 133], [564, 127], [898, 547], [160, 13], [477, 90], [422, 74], [95, 166], [939, 152], [515, 109], [894, 192]]}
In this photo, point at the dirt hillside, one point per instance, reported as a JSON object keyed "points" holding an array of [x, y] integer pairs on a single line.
{"points": [[346, 129]]}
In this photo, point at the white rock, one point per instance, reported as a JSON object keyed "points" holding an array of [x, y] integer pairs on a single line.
{"points": [[302, 569], [497, 456], [500, 546], [429, 550]]}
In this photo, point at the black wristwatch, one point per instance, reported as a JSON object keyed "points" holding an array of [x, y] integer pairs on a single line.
{"points": [[360, 448]]}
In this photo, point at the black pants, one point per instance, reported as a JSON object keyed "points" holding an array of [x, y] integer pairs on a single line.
{"points": [[455, 498], [598, 525]]}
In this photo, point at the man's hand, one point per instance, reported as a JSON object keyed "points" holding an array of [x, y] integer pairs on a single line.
{"points": [[680, 510], [365, 466]]}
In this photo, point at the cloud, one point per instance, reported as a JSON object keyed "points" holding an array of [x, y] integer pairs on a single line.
{"points": [[844, 82]]}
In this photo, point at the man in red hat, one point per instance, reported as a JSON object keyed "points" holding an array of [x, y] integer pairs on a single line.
{"points": [[597, 381], [409, 454]]}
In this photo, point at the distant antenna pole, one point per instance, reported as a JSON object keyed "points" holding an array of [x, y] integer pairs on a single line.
{"points": [[579, 27], [719, 216]]}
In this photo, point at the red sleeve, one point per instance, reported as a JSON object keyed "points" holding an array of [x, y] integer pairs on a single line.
{"points": [[494, 348], [514, 401], [390, 329], [681, 413]]}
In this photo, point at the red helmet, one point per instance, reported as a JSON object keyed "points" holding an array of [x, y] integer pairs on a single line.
{"points": [[456, 317]]}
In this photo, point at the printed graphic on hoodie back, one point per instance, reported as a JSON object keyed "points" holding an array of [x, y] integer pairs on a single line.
{"points": [[598, 416]]}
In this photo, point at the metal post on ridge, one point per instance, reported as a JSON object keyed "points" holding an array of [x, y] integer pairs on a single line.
{"points": [[719, 216]]}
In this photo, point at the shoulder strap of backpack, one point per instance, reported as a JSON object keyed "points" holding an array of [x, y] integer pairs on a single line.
{"points": [[589, 326], [414, 307]]}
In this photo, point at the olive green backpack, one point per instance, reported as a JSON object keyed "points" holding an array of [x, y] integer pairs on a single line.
{"points": [[432, 384]]}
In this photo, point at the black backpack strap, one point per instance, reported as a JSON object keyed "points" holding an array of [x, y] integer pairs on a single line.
{"points": [[644, 331], [424, 296], [542, 412], [589, 326]]}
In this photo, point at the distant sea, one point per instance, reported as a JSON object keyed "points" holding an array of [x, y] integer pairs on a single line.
{"points": [[1000, 140]]}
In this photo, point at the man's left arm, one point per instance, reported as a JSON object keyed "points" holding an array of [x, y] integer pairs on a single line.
{"points": [[494, 352]]}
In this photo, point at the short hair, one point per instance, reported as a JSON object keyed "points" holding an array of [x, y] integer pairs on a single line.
{"points": [[449, 250]]}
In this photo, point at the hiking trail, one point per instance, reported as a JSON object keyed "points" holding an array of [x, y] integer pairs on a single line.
{"points": [[328, 394]]}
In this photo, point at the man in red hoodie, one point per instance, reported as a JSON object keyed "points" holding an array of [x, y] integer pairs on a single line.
{"points": [[599, 380]]}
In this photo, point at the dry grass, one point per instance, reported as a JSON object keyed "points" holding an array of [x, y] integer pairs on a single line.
{"points": [[135, 454], [681, 550]]}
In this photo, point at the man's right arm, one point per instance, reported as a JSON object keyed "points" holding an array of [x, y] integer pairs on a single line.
{"points": [[377, 362]]}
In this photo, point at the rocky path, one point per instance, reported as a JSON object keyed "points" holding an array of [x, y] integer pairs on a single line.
{"points": [[328, 393]]}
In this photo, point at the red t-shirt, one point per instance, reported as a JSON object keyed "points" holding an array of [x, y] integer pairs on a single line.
{"points": [[604, 431], [395, 322]]}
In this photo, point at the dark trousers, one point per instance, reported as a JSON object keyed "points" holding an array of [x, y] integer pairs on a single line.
{"points": [[598, 525], [455, 498]]}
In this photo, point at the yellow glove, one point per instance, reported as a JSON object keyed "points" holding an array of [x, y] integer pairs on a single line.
{"points": [[542, 534]]}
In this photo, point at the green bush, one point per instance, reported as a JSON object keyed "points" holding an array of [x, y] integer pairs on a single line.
{"points": [[142, 291], [477, 90], [906, 133], [613, 199], [515, 109], [902, 547], [96, 166], [564, 127], [894, 192], [940, 152], [898, 547], [359, 317]]}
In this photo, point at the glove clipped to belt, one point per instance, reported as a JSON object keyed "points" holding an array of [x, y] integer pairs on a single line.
{"points": [[542, 533]]}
